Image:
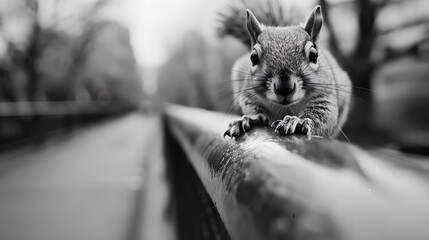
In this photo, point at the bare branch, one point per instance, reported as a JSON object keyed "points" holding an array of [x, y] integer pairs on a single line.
{"points": [[392, 54], [404, 26]]}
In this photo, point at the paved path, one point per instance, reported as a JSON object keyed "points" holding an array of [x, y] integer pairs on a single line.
{"points": [[80, 186]]}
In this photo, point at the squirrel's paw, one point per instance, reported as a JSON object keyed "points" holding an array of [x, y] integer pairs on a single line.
{"points": [[293, 124], [243, 125]]}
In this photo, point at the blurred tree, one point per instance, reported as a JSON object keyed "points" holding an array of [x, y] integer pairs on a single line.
{"points": [[109, 76], [373, 47], [32, 52], [49, 43]]}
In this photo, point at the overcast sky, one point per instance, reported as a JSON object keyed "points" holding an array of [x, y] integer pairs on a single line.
{"points": [[157, 26]]}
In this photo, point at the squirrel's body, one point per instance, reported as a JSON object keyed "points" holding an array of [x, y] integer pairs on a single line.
{"points": [[288, 79]]}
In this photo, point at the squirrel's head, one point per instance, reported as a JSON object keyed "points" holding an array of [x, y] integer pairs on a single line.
{"points": [[284, 58]]}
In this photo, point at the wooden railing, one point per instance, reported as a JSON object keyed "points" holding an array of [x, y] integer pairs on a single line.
{"points": [[30, 121], [61, 108], [265, 186]]}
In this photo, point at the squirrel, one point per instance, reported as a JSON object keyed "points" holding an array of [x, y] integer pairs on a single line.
{"points": [[287, 76]]}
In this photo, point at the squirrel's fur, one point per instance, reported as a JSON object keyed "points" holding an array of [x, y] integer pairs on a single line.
{"points": [[270, 13], [287, 77]]}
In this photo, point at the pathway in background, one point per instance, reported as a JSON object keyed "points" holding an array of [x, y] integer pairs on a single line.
{"points": [[80, 186]]}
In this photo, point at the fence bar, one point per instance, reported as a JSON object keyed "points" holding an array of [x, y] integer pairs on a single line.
{"points": [[266, 186]]}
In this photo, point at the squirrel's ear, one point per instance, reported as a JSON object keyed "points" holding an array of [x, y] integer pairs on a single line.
{"points": [[253, 26], [314, 23]]}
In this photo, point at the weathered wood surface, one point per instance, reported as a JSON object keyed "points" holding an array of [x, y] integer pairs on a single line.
{"points": [[266, 186]]}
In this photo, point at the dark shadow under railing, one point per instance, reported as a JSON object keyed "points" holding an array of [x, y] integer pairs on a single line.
{"points": [[266, 186]]}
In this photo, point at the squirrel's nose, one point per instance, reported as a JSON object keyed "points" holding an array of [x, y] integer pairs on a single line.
{"points": [[284, 87]]}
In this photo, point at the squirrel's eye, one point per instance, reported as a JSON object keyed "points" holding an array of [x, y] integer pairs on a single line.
{"points": [[254, 57], [312, 55]]}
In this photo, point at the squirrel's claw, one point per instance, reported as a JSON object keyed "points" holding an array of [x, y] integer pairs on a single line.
{"points": [[293, 124], [237, 128], [306, 126], [227, 133], [275, 123]]}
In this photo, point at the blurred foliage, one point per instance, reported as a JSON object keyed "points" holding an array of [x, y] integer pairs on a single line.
{"points": [[61, 50]]}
